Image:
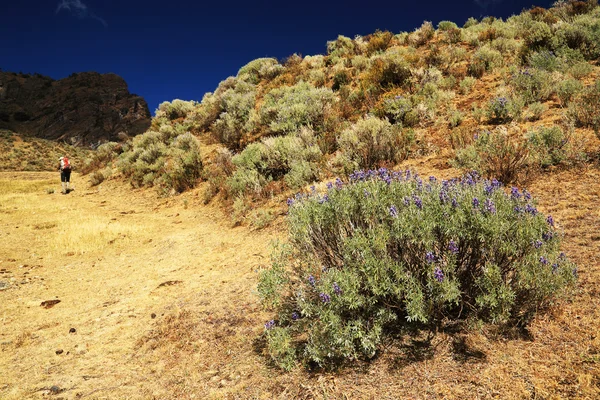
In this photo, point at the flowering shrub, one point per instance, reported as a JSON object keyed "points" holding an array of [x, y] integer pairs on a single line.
{"points": [[386, 250], [532, 84], [504, 109]]}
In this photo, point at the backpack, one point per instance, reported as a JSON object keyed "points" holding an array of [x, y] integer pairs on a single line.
{"points": [[66, 164]]}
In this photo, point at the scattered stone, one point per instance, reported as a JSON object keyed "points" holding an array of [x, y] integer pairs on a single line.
{"points": [[49, 303], [169, 283], [4, 285], [152, 315], [72, 330], [59, 351], [55, 389]]}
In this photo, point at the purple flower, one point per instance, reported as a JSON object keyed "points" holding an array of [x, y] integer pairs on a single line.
{"points": [[543, 260], [432, 179], [430, 257], [312, 280], [454, 202], [438, 274], [475, 202], [490, 206], [325, 297], [531, 209], [336, 288], [537, 244], [324, 199], [518, 210], [329, 185], [269, 325], [295, 316], [514, 193], [393, 211], [313, 188], [443, 196], [453, 247], [526, 195], [554, 268], [562, 256], [418, 202], [338, 183], [290, 202], [550, 221], [406, 201], [547, 236]]}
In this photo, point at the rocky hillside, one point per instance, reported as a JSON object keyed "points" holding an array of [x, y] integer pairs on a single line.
{"points": [[83, 109]]}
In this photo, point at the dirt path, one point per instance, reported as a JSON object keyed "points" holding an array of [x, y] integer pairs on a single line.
{"points": [[110, 282]]}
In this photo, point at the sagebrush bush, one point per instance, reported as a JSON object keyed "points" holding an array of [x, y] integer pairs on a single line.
{"points": [[504, 109], [175, 109], [585, 110], [495, 154], [398, 110], [261, 68], [484, 59], [532, 85], [287, 109], [567, 89], [373, 141], [552, 146], [294, 158], [386, 251], [163, 161], [236, 105]]}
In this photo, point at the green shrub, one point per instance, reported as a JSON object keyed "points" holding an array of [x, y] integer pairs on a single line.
{"points": [[293, 158], [175, 109], [504, 109], [104, 155], [261, 68], [467, 84], [585, 109], [532, 85], [470, 22], [544, 60], [341, 47], [389, 72], [386, 252], [567, 89], [538, 35], [484, 59], [582, 34], [373, 141], [398, 110], [421, 35], [550, 146], [287, 109], [535, 111], [455, 118], [237, 104], [495, 154], [580, 70], [446, 25], [168, 163]]}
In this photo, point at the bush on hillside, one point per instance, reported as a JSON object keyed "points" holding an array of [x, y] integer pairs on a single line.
{"points": [[237, 103], [261, 68], [371, 142], [175, 109], [289, 108], [293, 158], [585, 110], [494, 154], [159, 159], [387, 251], [398, 110], [483, 60], [532, 84], [552, 146]]}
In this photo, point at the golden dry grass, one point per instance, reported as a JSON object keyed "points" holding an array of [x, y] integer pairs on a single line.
{"points": [[130, 256]]}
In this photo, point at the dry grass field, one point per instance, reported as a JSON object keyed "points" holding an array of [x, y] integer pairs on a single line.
{"points": [[158, 301]]}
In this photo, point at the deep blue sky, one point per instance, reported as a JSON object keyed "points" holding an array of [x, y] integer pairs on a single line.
{"points": [[182, 48]]}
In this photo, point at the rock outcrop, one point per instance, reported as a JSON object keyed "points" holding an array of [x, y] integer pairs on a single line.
{"points": [[84, 109]]}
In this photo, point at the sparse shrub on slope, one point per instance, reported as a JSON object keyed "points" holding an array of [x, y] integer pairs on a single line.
{"points": [[552, 146], [494, 154], [162, 160], [483, 60], [585, 109], [175, 109], [293, 158], [261, 68], [237, 104], [386, 251], [287, 109], [372, 142], [532, 84]]}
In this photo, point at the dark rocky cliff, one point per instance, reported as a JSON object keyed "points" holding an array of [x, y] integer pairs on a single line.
{"points": [[83, 109]]}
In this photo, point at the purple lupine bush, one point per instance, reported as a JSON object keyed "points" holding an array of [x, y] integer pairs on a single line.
{"points": [[357, 267]]}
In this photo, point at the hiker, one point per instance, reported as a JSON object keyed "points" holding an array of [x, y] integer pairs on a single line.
{"points": [[64, 167]]}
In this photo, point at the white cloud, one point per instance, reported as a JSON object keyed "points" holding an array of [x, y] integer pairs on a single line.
{"points": [[79, 10]]}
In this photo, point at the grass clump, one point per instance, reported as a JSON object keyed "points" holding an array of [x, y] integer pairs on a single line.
{"points": [[386, 251]]}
